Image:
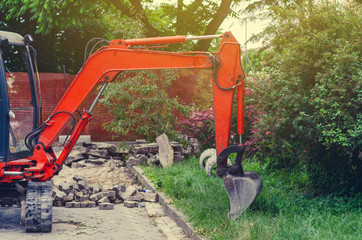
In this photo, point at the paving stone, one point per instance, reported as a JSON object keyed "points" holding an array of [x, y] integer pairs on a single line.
{"points": [[82, 184], [103, 200], [76, 204], [77, 178], [87, 204], [133, 161], [58, 203], [111, 195], [135, 198], [96, 197], [154, 210], [130, 204], [178, 157], [106, 206], [69, 197], [96, 188], [145, 148], [65, 187], [58, 195], [80, 197], [98, 153], [69, 204], [150, 197], [118, 201], [130, 191], [118, 188], [78, 165]]}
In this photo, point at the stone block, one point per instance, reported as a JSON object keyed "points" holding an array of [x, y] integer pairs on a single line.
{"points": [[111, 195], [58, 195], [82, 184], [69, 204], [150, 197], [76, 205], [118, 188], [80, 197], [154, 160], [78, 165], [96, 196], [87, 204], [106, 206], [69, 197], [134, 198], [98, 153], [102, 146], [177, 147], [103, 200], [133, 161], [58, 203], [96, 188], [96, 161], [165, 151], [145, 148], [130, 191], [178, 157], [65, 187], [78, 178], [130, 204]]}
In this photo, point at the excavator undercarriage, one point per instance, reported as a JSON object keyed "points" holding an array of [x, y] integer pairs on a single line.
{"points": [[27, 173]]}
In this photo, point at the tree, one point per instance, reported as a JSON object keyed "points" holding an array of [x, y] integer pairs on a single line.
{"points": [[198, 17], [309, 94], [58, 45]]}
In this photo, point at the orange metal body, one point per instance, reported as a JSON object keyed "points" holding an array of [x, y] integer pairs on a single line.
{"points": [[106, 63]]}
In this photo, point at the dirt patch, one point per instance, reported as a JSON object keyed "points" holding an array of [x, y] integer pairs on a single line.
{"points": [[105, 175]]}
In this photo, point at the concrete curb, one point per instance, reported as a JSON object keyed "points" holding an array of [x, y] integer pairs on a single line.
{"points": [[169, 209]]}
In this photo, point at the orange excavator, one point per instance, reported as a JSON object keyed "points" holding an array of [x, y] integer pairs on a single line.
{"points": [[28, 163]]}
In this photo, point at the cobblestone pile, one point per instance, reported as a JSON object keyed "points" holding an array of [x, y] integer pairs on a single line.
{"points": [[79, 194], [79, 191]]}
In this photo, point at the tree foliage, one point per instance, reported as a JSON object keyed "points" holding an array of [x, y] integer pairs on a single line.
{"points": [[56, 45], [139, 103], [309, 94], [198, 17]]}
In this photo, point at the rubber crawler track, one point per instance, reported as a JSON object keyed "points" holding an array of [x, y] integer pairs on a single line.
{"points": [[38, 216]]}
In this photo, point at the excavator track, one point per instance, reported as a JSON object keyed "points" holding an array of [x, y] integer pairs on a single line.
{"points": [[38, 211]]}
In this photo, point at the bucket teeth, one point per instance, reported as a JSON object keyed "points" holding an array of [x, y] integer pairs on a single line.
{"points": [[242, 191]]}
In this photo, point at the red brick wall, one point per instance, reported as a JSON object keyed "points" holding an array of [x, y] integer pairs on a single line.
{"points": [[53, 87]]}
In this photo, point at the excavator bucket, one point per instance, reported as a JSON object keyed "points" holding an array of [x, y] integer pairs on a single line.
{"points": [[242, 187], [242, 191]]}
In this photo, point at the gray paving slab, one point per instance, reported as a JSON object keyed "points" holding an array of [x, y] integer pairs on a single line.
{"points": [[91, 223]]}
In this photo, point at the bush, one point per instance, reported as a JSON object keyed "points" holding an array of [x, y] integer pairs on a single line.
{"points": [[309, 94], [140, 104], [201, 125]]}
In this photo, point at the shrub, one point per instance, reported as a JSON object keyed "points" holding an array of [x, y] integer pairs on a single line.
{"points": [[200, 125], [309, 94], [140, 104]]}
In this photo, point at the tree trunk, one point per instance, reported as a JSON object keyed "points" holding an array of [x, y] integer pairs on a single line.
{"points": [[214, 25]]}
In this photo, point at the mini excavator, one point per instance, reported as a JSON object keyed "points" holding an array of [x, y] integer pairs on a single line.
{"points": [[27, 161]]}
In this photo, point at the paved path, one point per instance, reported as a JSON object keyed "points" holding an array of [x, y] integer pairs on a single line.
{"points": [[91, 223]]}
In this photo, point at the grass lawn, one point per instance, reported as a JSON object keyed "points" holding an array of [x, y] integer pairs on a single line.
{"points": [[283, 209]]}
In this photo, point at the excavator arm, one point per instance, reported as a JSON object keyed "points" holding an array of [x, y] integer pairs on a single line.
{"points": [[103, 67]]}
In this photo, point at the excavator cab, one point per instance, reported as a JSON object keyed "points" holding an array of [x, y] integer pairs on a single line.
{"points": [[19, 110]]}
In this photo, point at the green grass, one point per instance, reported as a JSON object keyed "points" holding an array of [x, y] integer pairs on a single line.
{"points": [[283, 209]]}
